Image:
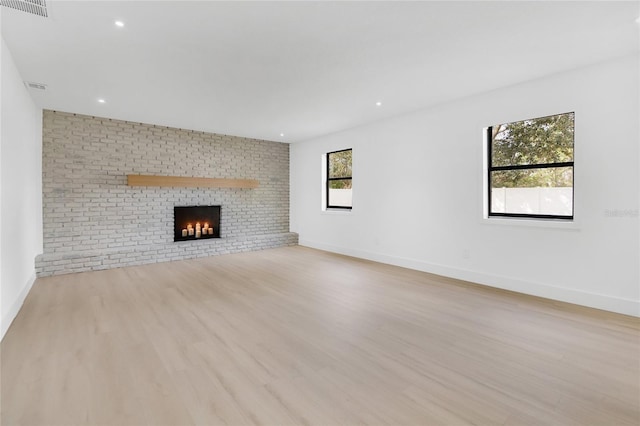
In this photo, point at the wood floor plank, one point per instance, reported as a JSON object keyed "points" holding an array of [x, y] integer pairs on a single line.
{"points": [[299, 336]]}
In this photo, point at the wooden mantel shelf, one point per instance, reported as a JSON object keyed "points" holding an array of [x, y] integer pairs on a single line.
{"points": [[189, 182]]}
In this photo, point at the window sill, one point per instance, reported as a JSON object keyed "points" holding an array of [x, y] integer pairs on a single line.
{"points": [[331, 211], [571, 225]]}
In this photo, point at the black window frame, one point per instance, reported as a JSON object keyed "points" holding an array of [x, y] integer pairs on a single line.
{"points": [[491, 168], [329, 179]]}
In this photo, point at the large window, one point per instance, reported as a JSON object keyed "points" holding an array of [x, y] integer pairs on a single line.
{"points": [[530, 168], [339, 191]]}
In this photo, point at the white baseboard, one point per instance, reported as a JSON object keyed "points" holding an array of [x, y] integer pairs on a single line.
{"points": [[8, 317], [563, 294]]}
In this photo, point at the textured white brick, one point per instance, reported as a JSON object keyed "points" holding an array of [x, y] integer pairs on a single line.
{"points": [[93, 220]]}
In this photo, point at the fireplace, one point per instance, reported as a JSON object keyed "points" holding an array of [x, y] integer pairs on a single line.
{"points": [[196, 222]]}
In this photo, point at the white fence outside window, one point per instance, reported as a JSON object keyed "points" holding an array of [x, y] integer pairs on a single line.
{"points": [[553, 201]]}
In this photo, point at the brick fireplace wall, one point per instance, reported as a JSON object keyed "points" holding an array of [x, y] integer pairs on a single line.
{"points": [[93, 220]]}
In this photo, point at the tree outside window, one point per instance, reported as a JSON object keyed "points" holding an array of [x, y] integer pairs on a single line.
{"points": [[530, 170], [339, 179]]}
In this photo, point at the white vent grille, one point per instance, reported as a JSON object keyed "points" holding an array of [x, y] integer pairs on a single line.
{"points": [[35, 7], [37, 86]]}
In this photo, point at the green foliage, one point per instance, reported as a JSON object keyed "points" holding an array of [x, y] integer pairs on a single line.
{"points": [[340, 164], [543, 140], [340, 184], [340, 167], [533, 178]]}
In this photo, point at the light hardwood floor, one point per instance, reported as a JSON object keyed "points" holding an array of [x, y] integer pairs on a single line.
{"points": [[299, 336]]}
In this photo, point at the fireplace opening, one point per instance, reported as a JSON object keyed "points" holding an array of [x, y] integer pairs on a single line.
{"points": [[196, 222]]}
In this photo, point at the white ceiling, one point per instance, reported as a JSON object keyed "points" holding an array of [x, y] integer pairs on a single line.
{"points": [[305, 69]]}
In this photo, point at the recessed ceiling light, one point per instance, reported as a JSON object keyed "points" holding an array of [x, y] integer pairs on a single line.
{"points": [[638, 20], [378, 103], [281, 134], [119, 24], [101, 101]]}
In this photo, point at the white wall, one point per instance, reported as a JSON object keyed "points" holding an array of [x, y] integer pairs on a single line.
{"points": [[406, 168], [20, 190]]}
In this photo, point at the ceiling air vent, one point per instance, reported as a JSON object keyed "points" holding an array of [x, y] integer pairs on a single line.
{"points": [[35, 7], [37, 86]]}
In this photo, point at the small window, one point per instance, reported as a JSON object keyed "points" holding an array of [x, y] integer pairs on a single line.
{"points": [[530, 168], [339, 191]]}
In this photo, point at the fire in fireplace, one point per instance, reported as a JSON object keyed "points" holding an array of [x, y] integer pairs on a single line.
{"points": [[196, 222]]}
